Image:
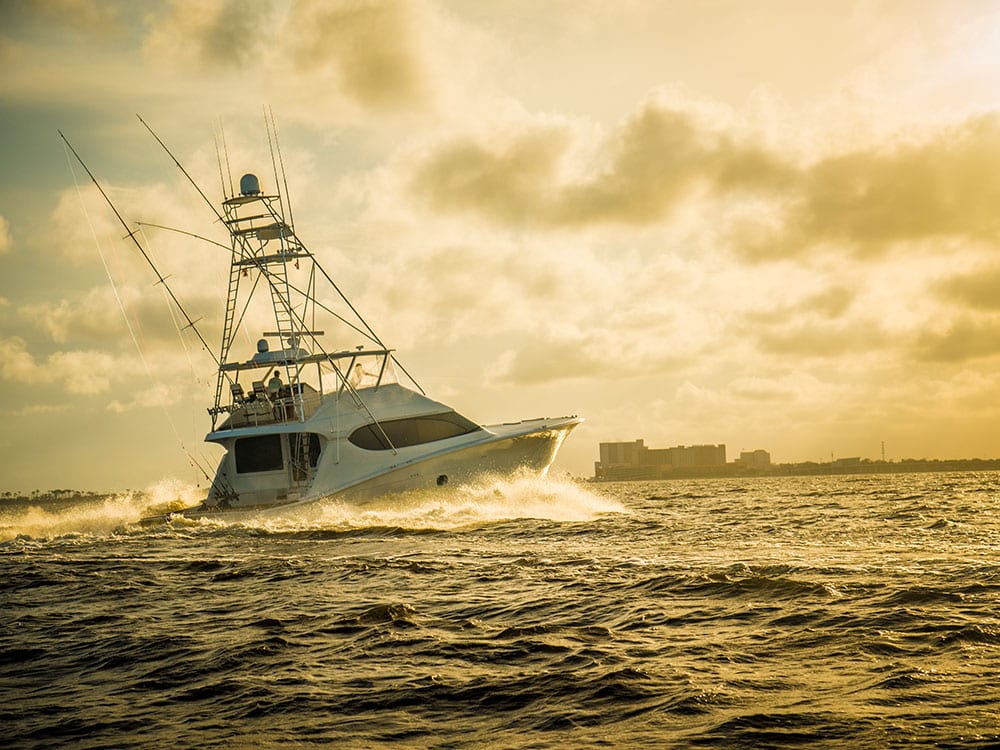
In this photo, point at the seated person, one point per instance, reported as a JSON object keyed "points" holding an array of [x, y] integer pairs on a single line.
{"points": [[274, 385]]}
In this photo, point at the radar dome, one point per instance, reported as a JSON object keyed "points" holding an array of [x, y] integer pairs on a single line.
{"points": [[249, 184]]}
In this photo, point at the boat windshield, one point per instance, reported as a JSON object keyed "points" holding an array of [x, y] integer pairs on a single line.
{"points": [[368, 370]]}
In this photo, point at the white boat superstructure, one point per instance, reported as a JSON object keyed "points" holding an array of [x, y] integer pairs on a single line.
{"points": [[300, 421]]}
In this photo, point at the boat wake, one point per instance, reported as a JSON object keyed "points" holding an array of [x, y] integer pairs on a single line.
{"points": [[101, 516], [490, 500]]}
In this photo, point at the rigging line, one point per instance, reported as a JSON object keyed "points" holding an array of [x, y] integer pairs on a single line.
{"points": [[227, 248], [184, 171], [374, 336], [239, 320], [219, 217], [142, 251], [294, 288], [121, 305]]}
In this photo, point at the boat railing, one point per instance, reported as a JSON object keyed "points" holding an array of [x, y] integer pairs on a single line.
{"points": [[263, 408]]}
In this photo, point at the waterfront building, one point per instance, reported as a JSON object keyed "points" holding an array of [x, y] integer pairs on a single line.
{"points": [[633, 460]]}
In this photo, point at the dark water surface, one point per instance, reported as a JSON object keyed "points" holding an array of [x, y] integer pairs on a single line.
{"points": [[832, 612]]}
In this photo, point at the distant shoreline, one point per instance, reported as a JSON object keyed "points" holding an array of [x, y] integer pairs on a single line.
{"points": [[649, 474], [809, 468]]}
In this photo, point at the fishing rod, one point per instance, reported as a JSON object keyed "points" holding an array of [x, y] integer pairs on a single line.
{"points": [[184, 171]]}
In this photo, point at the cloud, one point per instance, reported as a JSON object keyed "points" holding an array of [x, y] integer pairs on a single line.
{"points": [[81, 14], [80, 372], [370, 47], [511, 183], [965, 339], [979, 290], [226, 33], [945, 184], [658, 158], [6, 243], [825, 340], [829, 303], [543, 361], [96, 318]]}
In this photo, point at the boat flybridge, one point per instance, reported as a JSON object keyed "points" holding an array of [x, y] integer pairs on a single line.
{"points": [[301, 420]]}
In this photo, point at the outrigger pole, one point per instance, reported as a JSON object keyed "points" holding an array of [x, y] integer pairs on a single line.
{"points": [[131, 235], [161, 280]]}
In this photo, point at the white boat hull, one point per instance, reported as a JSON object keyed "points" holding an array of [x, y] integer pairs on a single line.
{"points": [[505, 449]]}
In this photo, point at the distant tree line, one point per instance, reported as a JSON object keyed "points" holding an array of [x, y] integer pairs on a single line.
{"points": [[46, 495]]}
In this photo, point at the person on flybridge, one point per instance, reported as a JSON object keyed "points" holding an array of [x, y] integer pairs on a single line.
{"points": [[274, 384], [358, 375]]}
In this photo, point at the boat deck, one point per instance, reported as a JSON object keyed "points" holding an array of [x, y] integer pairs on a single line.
{"points": [[261, 408]]}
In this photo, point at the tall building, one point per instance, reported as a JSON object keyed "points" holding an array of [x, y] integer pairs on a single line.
{"points": [[620, 454], [633, 460]]}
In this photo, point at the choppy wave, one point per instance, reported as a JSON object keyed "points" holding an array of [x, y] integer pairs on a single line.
{"points": [[829, 612]]}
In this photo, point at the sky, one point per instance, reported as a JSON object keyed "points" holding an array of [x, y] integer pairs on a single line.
{"points": [[773, 225]]}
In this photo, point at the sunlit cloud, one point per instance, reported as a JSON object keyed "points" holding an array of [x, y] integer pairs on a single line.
{"points": [[533, 203], [81, 14], [370, 49], [964, 340], [867, 200], [6, 243], [223, 33], [80, 372], [979, 289]]}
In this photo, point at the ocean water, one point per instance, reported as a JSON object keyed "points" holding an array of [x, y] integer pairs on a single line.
{"points": [[856, 611]]}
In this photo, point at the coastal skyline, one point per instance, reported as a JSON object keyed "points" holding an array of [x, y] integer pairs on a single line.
{"points": [[773, 225]]}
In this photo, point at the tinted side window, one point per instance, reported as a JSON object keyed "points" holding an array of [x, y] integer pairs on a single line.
{"points": [[412, 431], [262, 453]]}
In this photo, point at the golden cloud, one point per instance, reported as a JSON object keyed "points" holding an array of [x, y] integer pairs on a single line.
{"points": [[979, 290], [657, 160], [6, 243], [371, 46], [963, 340], [226, 32], [947, 185], [81, 14], [81, 372]]}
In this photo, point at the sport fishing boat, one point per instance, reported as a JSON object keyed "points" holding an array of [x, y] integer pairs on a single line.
{"points": [[302, 419]]}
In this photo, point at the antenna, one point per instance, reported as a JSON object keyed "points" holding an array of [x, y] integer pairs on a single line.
{"points": [[281, 162], [218, 158], [274, 166], [225, 148]]}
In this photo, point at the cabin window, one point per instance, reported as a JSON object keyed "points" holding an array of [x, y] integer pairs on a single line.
{"points": [[412, 431], [262, 453]]}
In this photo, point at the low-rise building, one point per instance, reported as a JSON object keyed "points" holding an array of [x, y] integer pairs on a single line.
{"points": [[758, 459]]}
